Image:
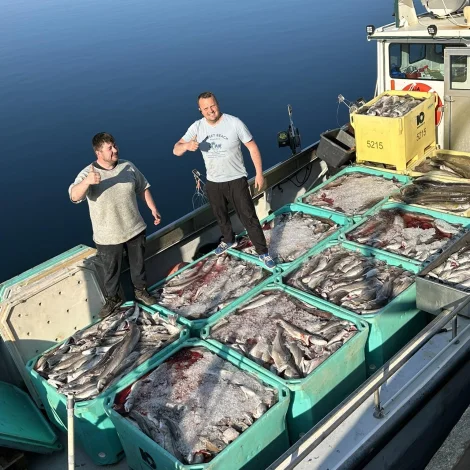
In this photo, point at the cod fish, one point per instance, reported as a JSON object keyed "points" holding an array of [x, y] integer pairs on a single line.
{"points": [[96, 357], [353, 193], [281, 336], [195, 404], [290, 235]]}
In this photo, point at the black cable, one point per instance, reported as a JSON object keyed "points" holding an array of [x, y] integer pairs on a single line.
{"points": [[308, 172]]}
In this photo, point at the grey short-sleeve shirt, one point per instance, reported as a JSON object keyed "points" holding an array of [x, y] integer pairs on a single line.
{"points": [[221, 147], [114, 213]]}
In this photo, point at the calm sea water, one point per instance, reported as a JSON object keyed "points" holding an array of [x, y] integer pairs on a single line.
{"points": [[70, 69]]}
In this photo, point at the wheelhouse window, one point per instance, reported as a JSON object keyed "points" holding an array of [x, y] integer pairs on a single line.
{"points": [[458, 72], [418, 60]]}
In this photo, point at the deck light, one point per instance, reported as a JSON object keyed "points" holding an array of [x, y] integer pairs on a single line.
{"points": [[432, 30], [370, 29]]}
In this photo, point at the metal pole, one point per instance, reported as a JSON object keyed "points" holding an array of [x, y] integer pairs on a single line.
{"points": [[70, 432], [324, 428], [379, 411], [454, 327]]}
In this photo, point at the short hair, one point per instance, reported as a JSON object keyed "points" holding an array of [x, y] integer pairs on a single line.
{"points": [[100, 139], [206, 94]]}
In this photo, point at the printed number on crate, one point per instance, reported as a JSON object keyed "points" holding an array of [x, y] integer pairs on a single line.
{"points": [[421, 134], [373, 144]]}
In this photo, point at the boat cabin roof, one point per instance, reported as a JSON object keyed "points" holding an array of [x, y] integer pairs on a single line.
{"points": [[451, 27]]}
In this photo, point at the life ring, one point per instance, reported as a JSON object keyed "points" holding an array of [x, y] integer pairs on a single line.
{"points": [[426, 88]]}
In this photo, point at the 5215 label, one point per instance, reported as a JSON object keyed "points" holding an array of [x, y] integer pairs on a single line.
{"points": [[373, 144], [421, 134]]}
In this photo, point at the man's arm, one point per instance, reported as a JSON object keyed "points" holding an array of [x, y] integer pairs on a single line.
{"points": [[79, 190], [182, 146], [257, 162], [147, 197]]}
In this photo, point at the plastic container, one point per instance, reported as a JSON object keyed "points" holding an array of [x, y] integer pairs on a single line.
{"points": [[195, 326], [462, 213], [93, 429], [435, 153], [314, 396], [257, 447], [392, 326], [354, 169], [336, 147], [22, 426], [339, 219], [453, 219], [396, 141]]}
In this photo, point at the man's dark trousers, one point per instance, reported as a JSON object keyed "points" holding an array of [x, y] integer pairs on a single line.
{"points": [[110, 258], [236, 193]]}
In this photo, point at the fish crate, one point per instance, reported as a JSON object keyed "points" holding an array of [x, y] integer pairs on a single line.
{"points": [[337, 218], [392, 326], [195, 326], [396, 141], [93, 429], [354, 169], [314, 396], [257, 447], [434, 295], [462, 214], [453, 219], [435, 153]]}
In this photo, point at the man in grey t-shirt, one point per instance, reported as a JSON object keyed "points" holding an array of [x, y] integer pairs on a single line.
{"points": [[219, 137], [111, 185]]}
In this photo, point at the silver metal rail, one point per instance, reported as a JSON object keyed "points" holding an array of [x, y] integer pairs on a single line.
{"points": [[293, 456]]}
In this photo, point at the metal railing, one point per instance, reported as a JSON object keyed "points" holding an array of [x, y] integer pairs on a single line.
{"points": [[293, 456]]}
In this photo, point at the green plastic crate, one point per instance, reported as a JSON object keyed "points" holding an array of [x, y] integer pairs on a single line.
{"points": [[5, 286], [392, 326], [314, 396], [93, 429], [454, 219], [340, 219], [22, 425], [257, 447], [355, 169], [195, 326]]}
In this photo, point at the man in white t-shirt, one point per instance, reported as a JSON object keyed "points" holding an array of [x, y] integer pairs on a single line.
{"points": [[219, 136]]}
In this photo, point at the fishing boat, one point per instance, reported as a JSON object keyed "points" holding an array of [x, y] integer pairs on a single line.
{"points": [[408, 401]]}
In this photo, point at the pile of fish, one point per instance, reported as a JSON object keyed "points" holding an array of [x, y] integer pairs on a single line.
{"points": [[429, 192], [290, 235], [283, 334], [455, 270], [209, 285], [93, 359], [349, 279], [455, 166], [195, 404], [410, 234], [391, 106], [353, 193]]}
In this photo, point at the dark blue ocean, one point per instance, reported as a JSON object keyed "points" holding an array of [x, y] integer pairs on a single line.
{"points": [[70, 69]]}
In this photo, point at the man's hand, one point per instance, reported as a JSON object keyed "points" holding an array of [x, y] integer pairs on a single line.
{"points": [[192, 145], [259, 182], [93, 176], [157, 217]]}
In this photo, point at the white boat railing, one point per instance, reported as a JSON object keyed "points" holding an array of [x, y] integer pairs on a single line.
{"points": [[294, 456]]}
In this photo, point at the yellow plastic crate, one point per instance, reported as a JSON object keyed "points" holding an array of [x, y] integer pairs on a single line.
{"points": [[433, 154], [396, 141]]}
